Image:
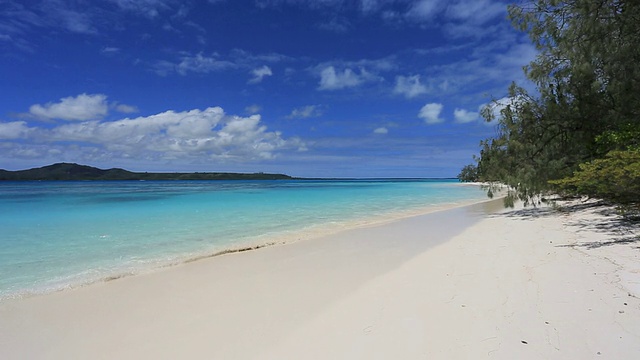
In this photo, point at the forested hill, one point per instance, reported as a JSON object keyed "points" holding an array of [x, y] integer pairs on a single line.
{"points": [[67, 171]]}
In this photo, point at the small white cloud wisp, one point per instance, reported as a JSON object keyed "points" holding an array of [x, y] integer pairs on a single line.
{"points": [[464, 116], [430, 113], [259, 74], [409, 86], [305, 112]]}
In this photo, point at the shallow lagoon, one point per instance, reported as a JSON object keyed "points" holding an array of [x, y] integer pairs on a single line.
{"points": [[57, 235]]}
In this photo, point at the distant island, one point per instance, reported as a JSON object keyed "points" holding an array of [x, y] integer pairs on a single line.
{"points": [[69, 172]]}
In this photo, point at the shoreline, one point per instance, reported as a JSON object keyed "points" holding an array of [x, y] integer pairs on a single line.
{"points": [[279, 239], [468, 282]]}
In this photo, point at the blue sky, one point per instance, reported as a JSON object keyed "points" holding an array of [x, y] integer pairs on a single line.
{"points": [[330, 88]]}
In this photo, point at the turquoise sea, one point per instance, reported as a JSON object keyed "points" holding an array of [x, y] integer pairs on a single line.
{"points": [[56, 235]]}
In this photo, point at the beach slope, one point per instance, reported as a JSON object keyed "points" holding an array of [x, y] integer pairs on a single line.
{"points": [[465, 283]]}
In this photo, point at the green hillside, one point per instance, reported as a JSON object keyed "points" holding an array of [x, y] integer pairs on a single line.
{"points": [[69, 171]]}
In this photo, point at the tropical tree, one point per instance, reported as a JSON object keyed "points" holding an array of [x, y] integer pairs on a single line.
{"points": [[615, 177], [586, 102], [468, 173]]}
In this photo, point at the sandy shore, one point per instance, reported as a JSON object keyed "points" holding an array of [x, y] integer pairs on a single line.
{"points": [[467, 283]]}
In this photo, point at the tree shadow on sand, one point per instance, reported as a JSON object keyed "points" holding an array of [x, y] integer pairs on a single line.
{"points": [[619, 228]]}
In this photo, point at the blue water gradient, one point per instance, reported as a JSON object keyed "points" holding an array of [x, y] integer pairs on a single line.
{"points": [[56, 235]]}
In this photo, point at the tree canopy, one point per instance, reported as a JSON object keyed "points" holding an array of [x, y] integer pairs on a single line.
{"points": [[586, 106]]}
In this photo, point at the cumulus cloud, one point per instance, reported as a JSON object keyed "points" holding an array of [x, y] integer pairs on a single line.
{"points": [[175, 125], [13, 130], [194, 134], [430, 113], [81, 107], [463, 116], [259, 74], [330, 79], [409, 86], [305, 112], [381, 131]]}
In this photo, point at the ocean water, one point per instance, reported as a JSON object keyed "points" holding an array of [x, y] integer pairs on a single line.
{"points": [[57, 235]]}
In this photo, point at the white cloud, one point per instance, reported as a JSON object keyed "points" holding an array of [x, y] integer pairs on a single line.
{"points": [[488, 69], [305, 112], [13, 130], [430, 113], [148, 8], [126, 109], [169, 124], [330, 79], [516, 56], [463, 116], [409, 86], [109, 50], [424, 10], [236, 59], [194, 134], [369, 6], [182, 12], [253, 109], [202, 64], [381, 130], [475, 11], [383, 64], [81, 107], [246, 58], [496, 107], [259, 74], [168, 27], [77, 21], [195, 64]]}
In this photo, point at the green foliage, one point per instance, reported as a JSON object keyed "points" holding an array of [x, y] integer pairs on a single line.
{"points": [[615, 177], [587, 102], [627, 137], [468, 173]]}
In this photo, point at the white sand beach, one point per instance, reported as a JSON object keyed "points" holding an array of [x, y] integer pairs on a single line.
{"points": [[475, 282]]}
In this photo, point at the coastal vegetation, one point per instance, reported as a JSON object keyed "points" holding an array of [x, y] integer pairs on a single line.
{"points": [[578, 132], [68, 172]]}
